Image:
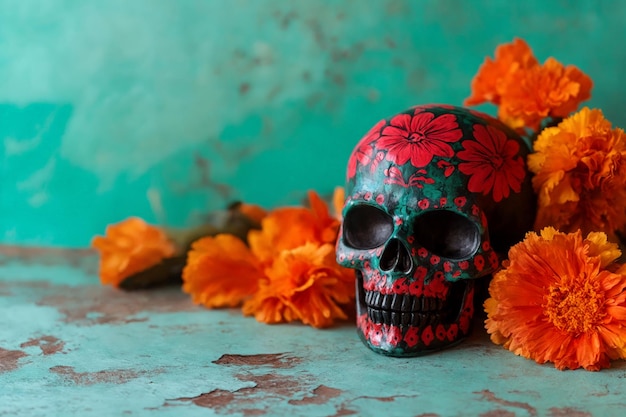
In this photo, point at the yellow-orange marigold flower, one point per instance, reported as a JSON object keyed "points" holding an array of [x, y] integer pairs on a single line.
{"points": [[562, 299], [580, 174], [129, 247], [487, 85], [221, 272], [304, 284], [548, 90]]}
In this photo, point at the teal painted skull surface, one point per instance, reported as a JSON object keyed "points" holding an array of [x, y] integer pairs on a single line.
{"points": [[435, 196]]}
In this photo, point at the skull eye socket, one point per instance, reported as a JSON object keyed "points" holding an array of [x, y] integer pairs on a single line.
{"points": [[447, 234], [366, 227]]}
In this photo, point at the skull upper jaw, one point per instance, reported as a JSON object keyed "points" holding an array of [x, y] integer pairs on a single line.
{"points": [[401, 324]]}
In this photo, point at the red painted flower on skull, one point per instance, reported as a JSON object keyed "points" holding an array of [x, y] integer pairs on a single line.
{"points": [[364, 151], [492, 163], [419, 137]]}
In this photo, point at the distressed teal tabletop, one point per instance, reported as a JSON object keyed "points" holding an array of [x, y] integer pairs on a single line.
{"points": [[70, 347]]}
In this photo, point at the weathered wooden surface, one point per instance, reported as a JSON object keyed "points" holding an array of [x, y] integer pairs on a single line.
{"points": [[70, 347]]}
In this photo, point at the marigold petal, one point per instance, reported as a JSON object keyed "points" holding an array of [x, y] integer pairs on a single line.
{"points": [[599, 245], [617, 312], [304, 284], [319, 207], [221, 272], [532, 94], [580, 174], [548, 233], [268, 308], [290, 227], [613, 336], [563, 192], [284, 228], [129, 247], [510, 57], [253, 212], [579, 86]]}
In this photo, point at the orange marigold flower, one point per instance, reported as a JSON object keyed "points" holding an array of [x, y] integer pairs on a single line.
{"points": [[548, 90], [580, 174], [289, 227], [305, 284], [129, 247], [487, 85], [288, 273], [562, 299], [525, 91], [221, 272]]}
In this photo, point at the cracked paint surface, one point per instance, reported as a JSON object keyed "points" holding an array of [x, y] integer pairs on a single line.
{"points": [[9, 359], [110, 376], [49, 345], [268, 387], [69, 346], [274, 360]]}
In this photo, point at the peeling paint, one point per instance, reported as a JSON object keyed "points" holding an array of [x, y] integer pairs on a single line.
{"points": [[295, 391], [274, 384], [498, 413], [345, 412], [568, 412], [217, 399], [491, 397], [9, 359], [269, 385], [321, 395], [91, 305], [49, 345], [111, 376], [266, 386], [274, 360], [83, 259]]}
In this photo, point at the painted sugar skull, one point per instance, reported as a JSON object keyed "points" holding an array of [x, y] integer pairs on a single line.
{"points": [[433, 196]]}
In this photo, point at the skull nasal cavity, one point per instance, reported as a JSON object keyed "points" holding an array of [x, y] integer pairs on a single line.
{"points": [[395, 257]]}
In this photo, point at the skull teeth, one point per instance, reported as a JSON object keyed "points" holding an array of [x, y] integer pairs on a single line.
{"points": [[403, 303], [397, 318], [403, 309]]}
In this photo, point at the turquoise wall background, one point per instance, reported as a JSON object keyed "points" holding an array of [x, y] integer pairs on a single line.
{"points": [[169, 109]]}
